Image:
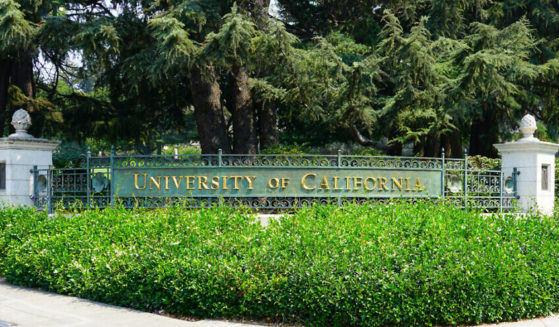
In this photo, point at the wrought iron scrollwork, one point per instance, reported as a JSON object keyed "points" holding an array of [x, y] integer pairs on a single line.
{"points": [[463, 183]]}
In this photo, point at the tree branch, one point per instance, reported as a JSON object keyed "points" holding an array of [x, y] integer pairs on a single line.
{"points": [[359, 138]]}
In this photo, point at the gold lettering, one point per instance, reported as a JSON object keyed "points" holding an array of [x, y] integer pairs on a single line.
{"points": [[304, 184], [372, 179], [284, 182], [336, 188], [273, 183], [215, 182], [236, 179], [177, 183], [249, 180], [357, 183], [136, 182], [418, 187], [396, 183], [203, 183], [324, 184], [189, 182], [225, 178], [408, 184], [153, 182], [382, 184]]}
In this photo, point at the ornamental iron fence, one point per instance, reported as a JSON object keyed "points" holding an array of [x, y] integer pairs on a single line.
{"points": [[269, 181]]}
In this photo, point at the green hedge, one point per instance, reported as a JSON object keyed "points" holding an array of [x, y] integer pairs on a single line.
{"points": [[398, 264]]}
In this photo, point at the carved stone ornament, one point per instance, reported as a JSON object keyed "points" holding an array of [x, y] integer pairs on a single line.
{"points": [[528, 127], [21, 121]]}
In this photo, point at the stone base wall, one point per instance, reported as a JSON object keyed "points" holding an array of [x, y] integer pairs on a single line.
{"points": [[20, 156]]}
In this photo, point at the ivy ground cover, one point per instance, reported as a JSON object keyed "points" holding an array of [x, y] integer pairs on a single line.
{"points": [[399, 264]]}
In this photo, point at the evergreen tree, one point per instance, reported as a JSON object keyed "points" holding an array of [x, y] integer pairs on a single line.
{"points": [[437, 73]]}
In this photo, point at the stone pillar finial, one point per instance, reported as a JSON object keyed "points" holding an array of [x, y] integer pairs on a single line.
{"points": [[527, 127], [534, 163], [21, 121]]}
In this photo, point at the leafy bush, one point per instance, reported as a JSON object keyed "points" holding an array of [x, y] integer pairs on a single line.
{"points": [[483, 163], [398, 264], [287, 149], [68, 154], [328, 149], [182, 149]]}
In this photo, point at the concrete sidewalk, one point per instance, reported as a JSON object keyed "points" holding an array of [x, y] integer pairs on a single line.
{"points": [[23, 307], [552, 321]]}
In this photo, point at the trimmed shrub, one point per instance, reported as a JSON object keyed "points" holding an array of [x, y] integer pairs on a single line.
{"points": [[359, 265]]}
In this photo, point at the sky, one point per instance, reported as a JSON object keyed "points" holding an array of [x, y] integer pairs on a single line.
{"points": [[274, 10]]}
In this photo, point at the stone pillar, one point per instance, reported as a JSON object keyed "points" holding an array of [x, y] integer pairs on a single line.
{"points": [[535, 163], [19, 153]]}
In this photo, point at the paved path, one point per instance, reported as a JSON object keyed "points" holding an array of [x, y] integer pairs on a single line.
{"points": [[552, 321], [22, 307]]}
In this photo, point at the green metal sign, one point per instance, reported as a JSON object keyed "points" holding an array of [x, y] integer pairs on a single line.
{"points": [[284, 182], [269, 181]]}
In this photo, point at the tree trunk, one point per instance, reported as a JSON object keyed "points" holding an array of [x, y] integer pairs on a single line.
{"points": [[432, 146], [453, 144], [419, 147], [260, 10], [396, 150], [484, 133], [242, 109], [208, 112], [22, 76], [268, 126], [5, 67], [267, 119]]}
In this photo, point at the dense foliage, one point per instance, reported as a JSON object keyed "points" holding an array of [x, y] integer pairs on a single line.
{"points": [[324, 266], [381, 73]]}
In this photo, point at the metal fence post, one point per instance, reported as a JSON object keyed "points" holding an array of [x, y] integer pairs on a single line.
{"points": [[501, 181], [339, 158], [465, 178], [443, 173], [112, 175], [49, 191], [88, 177], [219, 164], [515, 173], [35, 188], [339, 166]]}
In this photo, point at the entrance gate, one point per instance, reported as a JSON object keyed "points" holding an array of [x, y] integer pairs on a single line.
{"points": [[269, 181]]}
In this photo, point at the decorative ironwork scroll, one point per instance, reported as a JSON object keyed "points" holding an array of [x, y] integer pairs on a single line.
{"points": [[270, 181]]}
